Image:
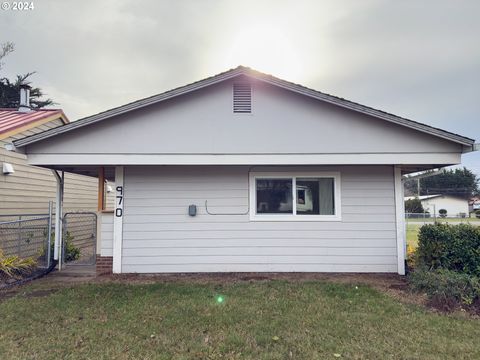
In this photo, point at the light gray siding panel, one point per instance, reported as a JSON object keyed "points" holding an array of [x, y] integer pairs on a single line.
{"points": [[159, 236], [106, 248], [356, 242], [261, 251], [203, 218], [270, 267], [242, 257], [253, 234]]}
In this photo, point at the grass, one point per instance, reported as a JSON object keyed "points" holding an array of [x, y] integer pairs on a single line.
{"points": [[412, 235], [256, 320]]}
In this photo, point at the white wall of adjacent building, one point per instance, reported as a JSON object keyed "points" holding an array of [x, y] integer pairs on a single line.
{"points": [[454, 206]]}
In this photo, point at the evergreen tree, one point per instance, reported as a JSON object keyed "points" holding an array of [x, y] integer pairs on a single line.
{"points": [[414, 206], [10, 91]]}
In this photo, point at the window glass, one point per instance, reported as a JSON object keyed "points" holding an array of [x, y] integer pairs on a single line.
{"points": [[274, 196], [315, 196]]}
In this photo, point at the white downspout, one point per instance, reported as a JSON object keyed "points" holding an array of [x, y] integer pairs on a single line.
{"points": [[57, 250]]}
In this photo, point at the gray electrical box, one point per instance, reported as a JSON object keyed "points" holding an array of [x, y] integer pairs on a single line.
{"points": [[192, 210]]}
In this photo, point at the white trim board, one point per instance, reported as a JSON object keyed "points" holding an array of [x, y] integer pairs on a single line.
{"points": [[439, 159], [118, 220]]}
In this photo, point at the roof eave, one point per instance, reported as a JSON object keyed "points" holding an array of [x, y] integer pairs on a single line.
{"points": [[58, 114]]}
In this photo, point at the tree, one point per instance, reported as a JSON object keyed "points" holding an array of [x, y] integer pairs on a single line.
{"points": [[9, 93], [5, 49], [456, 182], [414, 206]]}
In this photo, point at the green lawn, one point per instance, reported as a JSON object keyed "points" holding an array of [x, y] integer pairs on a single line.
{"points": [[412, 234], [256, 320]]}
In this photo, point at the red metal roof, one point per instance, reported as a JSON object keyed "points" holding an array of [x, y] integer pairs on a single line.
{"points": [[11, 119]]}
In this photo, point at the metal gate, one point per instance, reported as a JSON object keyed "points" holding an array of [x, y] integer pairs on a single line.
{"points": [[79, 238]]}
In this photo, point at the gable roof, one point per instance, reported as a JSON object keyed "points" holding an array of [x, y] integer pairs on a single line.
{"points": [[13, 121], [269, 79]]}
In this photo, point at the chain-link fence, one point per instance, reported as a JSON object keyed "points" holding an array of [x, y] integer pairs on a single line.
{"points": [[29, 239], [26, 240], [434, 217], [80, 238]]}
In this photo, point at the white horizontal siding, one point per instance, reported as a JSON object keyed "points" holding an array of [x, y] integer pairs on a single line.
{"points": [[277, 251], [270, 267], [106, 244], [159, 236]]}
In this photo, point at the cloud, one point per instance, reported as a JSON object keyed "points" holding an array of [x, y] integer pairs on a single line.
{"points": [[415, 59]]}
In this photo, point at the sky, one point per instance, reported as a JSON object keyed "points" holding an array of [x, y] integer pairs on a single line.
{"points": [[416, 59]]}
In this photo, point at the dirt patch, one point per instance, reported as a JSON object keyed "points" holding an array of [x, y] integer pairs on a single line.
{"points": [[40, 293], [380, 281], [20, 291]]}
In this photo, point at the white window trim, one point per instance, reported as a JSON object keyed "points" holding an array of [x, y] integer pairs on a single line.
{"points": [[294, 217]]}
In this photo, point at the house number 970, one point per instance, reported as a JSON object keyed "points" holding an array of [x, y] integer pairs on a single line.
{"points": [[119, 207]]}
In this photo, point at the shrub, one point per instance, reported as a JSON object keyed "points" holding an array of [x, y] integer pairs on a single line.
{"points": [[477, 214], [12, 265], [442, 213], [72, 253], [414, 206], [450, 247], [447, 289]]}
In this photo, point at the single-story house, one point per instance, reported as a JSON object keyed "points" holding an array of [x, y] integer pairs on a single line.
{"points": [[27, 189], [455, 206], [245, 172]]}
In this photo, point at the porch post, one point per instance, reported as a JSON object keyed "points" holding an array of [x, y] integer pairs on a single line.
{"points": [[400, 220], [57, 250], [118, 220]]}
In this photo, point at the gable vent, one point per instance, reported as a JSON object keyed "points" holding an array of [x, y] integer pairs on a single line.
{"points": [[242, 98]]}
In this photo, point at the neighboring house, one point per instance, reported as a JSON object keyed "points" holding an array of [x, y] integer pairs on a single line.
{"points": [[245, 172], [26, 189], [455, 206]]}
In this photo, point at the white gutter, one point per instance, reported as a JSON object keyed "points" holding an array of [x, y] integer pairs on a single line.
{"points": [[422, 174]]}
